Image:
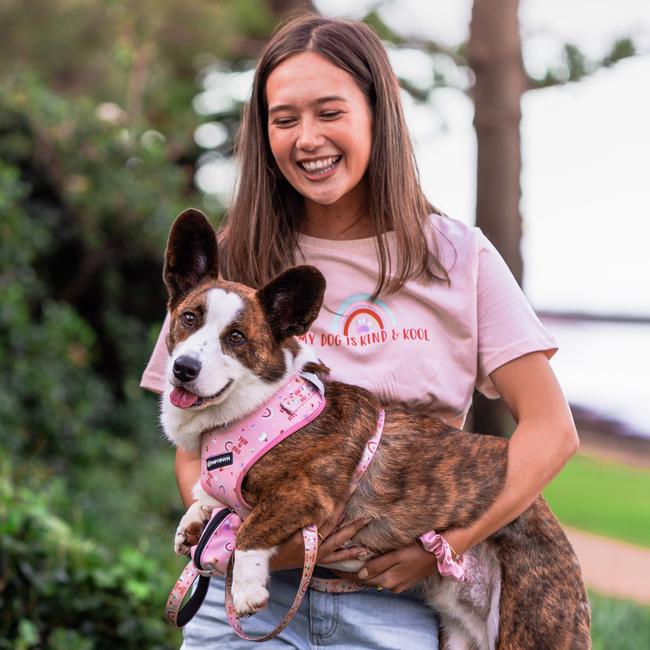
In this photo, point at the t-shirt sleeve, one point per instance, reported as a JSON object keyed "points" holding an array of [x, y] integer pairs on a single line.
{"points": [[153, 377], [507, 325]]}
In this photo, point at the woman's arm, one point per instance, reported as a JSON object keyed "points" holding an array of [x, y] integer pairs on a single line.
{"points": [[544, 439], [188, 471]]}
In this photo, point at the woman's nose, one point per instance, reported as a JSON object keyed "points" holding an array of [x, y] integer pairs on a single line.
{"points": [[309, 136]]}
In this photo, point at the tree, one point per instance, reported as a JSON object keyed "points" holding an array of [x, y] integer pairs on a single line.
{"points": [[494, 54]]}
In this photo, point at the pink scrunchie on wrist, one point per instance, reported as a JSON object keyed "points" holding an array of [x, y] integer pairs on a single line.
{"points": [[448, 567]]}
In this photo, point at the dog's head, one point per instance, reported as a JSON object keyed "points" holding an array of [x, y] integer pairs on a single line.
{"points": [[228, 343]]}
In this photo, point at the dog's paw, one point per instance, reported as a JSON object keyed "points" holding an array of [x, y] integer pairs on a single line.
{"points": [[249, 597], [187, 536], [190, 528]]}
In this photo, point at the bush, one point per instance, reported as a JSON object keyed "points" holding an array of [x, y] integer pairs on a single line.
{"points": [[60, 590], [88, 512]]}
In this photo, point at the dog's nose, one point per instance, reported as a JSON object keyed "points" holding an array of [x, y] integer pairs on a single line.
{"points": [[186, 368]]}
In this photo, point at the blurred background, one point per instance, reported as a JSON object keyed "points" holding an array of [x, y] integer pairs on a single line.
{"points": [[530, 119]]}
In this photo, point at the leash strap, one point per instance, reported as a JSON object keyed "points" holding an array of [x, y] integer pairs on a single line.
{"points": [[174, 613], [310, 539]]}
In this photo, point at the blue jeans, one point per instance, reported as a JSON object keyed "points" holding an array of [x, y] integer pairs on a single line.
{"points": [[366, 619]]}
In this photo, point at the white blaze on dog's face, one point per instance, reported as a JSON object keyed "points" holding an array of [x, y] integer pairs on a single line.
{"points": [[209, 325]]}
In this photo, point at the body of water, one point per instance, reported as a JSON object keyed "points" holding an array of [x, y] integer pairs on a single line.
{"points": [[604, 368]]}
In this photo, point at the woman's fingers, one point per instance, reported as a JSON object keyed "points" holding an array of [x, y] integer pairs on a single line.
{"points": [[379, 565], [340, 537], [338, 555]]}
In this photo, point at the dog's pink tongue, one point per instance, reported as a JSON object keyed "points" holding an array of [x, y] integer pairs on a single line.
{"points": [[183, 399]]}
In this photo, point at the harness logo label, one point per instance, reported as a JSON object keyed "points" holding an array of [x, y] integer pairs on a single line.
{"points": [[222, 460]]}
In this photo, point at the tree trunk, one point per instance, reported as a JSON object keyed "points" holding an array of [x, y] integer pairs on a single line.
{"points": [[494, 53]]}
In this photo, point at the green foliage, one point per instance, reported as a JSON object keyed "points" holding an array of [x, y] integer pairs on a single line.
{"points": [[86, 205], [142, 54], [70, 326], [618, 624], [576, 65], [604, 498], [576, 62], [60, 590], [96, 159], [622, 48]]}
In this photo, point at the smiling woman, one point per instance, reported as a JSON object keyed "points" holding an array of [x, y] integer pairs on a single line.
{"points": [[323, 132]]}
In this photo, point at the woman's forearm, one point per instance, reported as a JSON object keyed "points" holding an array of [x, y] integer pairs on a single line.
{"points": [[534, 458], [188, 471]]}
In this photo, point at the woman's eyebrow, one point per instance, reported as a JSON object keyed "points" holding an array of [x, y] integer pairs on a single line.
{"points": [[316, 102]]}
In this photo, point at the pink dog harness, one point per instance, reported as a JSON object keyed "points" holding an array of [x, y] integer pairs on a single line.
{"points": [[227, 454]]}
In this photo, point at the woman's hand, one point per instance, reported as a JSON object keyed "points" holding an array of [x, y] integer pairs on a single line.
{"points": [[291, 554], [398, 570]]}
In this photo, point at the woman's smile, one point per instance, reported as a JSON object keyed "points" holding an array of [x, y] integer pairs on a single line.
{"points": [[319, 169]]}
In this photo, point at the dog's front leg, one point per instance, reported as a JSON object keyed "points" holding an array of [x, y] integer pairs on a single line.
{"points": [[250, 575], [193, 521], [267, 526]]}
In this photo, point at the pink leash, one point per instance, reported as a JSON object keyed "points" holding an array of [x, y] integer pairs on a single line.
{"points": [[179, 616], [310, 538]]}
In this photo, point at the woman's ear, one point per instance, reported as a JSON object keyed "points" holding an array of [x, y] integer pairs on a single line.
{"points": [[191, 255], [292, 300]]}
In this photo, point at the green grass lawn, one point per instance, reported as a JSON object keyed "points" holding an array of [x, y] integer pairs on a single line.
{"points": [[618, 624], [603, 498]]}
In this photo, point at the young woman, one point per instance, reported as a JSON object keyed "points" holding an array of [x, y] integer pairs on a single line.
{"points": [[419, 308]]}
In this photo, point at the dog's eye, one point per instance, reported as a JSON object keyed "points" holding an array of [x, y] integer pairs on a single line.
{"points": [[188, 319], [236, 337]]}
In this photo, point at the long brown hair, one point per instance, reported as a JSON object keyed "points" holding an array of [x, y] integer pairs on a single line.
{"points": [[261, 234]]}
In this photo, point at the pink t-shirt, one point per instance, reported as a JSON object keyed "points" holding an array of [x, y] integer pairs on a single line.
{"points": [[429, 344]]}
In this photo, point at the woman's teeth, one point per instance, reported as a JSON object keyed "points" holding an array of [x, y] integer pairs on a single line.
{"points": [[320, 166]]}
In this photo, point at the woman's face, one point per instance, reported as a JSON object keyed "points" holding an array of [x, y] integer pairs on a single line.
{"points": [[319, 127]]}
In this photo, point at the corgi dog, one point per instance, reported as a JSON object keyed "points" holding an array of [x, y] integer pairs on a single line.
{"points": [[231, 348]]}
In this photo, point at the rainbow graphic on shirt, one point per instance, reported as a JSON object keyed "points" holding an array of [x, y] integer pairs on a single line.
{"points": [[358, 316]]}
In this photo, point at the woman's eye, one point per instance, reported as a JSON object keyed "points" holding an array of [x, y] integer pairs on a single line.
{"points": [[330, 115], [284, 121], [188, 319], [236, 337]]}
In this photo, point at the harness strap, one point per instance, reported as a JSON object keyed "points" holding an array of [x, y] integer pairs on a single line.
{"points": [[343, 585], [310, 539]]}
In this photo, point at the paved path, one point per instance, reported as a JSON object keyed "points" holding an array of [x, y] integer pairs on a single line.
{"points": [[613, 568]]}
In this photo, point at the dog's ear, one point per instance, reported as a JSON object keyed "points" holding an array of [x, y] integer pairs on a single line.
{"points": [[292, 300], [191, 255]]}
